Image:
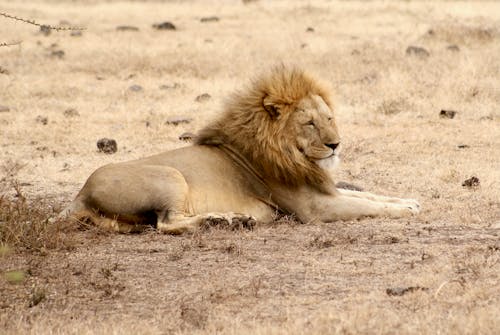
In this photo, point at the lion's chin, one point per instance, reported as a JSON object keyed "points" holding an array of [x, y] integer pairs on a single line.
{"points": [[329, 164]]}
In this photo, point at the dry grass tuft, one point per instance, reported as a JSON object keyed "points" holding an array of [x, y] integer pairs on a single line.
{"points": [[26, 224]]}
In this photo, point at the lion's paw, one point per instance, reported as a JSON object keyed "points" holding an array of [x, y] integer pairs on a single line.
{"points": [[403, 210], [243, 222], [230, 221], [413, 205]]}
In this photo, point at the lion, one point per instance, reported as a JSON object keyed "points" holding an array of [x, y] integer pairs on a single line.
{"points": [[271, 150]]}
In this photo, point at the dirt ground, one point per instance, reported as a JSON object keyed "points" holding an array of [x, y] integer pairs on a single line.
{"points": [[438, 272]]}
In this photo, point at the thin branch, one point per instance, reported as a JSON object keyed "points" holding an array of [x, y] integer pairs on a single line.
{"points": [[42, 26]]}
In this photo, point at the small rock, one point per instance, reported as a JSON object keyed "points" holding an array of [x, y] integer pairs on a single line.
{"points": [[447, 113], [76, 33], [310, 30], [45, 30], [453, 48], [303, 45], [42, 119], [399, 291], [127, 28], [107, 145], [417, 51], [135, 88], [472, 182], [4, 71], [348, 186], [463, 146], [178, 120], [187, 136], [209, 19], [164, 26], [170, 86], [71, 112], [203, 97], [4, 109], [57, 54], [208, 40]]}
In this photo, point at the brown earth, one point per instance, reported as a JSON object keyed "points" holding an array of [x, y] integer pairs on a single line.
{"points": [[438, 272]]}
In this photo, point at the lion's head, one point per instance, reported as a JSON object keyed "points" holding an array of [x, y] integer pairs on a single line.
{"points": [[283, 125]]}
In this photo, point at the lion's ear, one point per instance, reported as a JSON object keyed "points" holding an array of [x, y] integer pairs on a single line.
{"points": [[271, 107]]}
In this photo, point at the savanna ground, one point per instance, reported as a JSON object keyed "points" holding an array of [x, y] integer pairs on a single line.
{"points": [[438, 272]]}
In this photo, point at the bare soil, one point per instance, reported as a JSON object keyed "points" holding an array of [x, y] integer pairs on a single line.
{"points": [[438, 272]]}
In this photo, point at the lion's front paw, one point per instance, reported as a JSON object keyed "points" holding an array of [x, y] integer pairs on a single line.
{"points": [[413, 205], [403, 210]]}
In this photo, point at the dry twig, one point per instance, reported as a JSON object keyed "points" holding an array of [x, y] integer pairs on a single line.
{"points": [[43, 26]]}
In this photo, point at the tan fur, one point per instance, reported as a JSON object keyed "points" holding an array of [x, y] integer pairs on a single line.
{"points": [[269, 150]]}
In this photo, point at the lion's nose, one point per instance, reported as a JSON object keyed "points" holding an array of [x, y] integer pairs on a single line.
{"points": [[332, 146]]}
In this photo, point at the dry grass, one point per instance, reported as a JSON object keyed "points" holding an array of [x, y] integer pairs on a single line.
{"points": [[285, 278]]}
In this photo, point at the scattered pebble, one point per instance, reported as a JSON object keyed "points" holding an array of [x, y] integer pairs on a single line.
{"points": [[135, 88], [463, 146], [178, 120], [348, 186], [4, 70], [447, 113], [187, 136], [76, 33], [399, 291], [4, 109], [209, 19], [203, 97], [107, 145], [127, 28], [57, 54], [172, 86], [472, 182], [164, 26], [417, 51], [453, 47], [71, 112], [310, 30], [42, 119]]}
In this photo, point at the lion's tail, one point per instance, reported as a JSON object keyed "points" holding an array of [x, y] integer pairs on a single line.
{"points": [[79, 212]]}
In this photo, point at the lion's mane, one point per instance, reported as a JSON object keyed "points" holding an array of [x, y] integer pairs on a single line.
{"points": [[262, 137]]}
